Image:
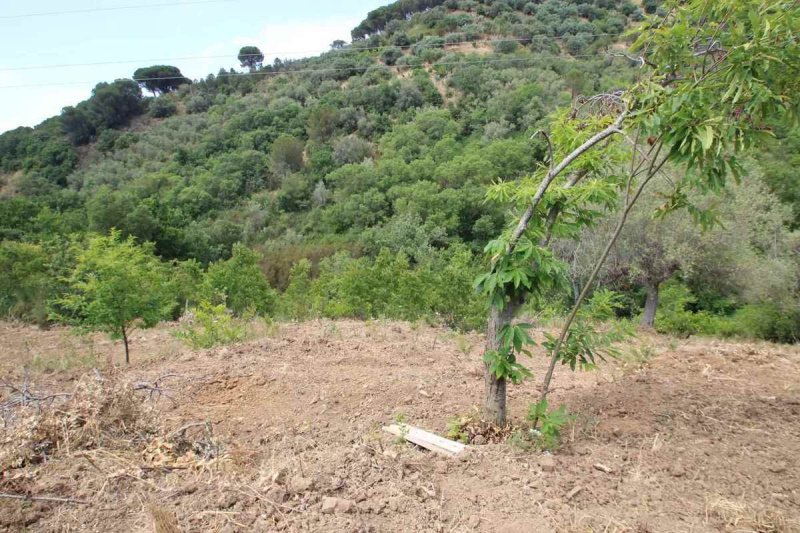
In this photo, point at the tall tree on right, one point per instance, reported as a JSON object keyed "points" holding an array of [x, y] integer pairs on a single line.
{"points": [[713, 75]]}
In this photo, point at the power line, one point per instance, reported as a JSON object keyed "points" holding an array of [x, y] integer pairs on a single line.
{"points": [[285, 53], [116, 8], [311, 71]]}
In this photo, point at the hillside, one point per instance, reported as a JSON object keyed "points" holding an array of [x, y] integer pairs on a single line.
{"points": [[385, 144], [435, 104]]}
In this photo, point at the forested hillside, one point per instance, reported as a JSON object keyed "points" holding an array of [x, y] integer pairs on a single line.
{"points": [[354, 183]]}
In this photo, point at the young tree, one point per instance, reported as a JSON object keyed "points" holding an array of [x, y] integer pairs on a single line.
{"points": [[240, 282], [116, 286], [250, 57], [160, 79], [713, 74]]}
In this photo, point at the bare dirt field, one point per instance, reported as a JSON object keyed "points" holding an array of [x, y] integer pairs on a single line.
{"points": [[679, 435]]}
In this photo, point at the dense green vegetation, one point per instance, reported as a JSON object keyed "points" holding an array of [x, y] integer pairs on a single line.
{"points": [[354, 183]]}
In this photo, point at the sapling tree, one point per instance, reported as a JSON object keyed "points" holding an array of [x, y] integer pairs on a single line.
{"points": [[116, 286], [713, 74]]}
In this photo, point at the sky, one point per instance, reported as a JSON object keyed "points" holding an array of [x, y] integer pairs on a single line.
{"points": [[127, 34]]}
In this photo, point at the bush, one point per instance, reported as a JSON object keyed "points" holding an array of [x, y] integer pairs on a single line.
{"points": [[391, 55], [198, 104], [438, 288], [210, 325], [351, 149], [765, 321], [505, 47], [25, 282], [240, 283], [162, 108], [675, 318]]}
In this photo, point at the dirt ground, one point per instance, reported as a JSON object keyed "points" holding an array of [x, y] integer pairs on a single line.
{"points": [[677, 436]]}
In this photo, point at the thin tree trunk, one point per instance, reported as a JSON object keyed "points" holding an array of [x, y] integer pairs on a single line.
{"points": [[494, 405], [495, 400], [650, 306], [125, 341], [630, 201]]}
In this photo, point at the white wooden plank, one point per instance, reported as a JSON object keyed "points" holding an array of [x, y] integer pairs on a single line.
{"points": [[427, 440]]}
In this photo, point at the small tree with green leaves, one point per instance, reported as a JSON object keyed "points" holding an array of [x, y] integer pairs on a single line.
{"points": [[714, 75], [117, 285]]}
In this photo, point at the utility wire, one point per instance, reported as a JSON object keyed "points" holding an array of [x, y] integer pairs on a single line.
{"points": [[335, 51], [116, 8], [311, 71]]}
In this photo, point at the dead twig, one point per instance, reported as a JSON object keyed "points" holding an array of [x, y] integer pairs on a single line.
{"points": [[55, 499]]}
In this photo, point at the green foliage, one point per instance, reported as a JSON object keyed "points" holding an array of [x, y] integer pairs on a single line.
{"points": [[250, 56], [112, 105], [674, 315], [160, 79], [550, 423], [25, 281], [287, 155], [341, 153], [239, 283], [678, 315], [593, 336], [208, 325], [116, 285], [456, 429], [162, 107]]}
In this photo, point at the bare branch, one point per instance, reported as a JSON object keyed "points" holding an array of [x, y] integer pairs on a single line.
{"points": [[558, 169], [25, 497], [549, 144]]}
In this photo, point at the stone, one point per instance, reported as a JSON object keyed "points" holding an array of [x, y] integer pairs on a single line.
{"points": [[332, 505], [547, 463], [574, 492], [677, 471], [479, 440], [276, 494], [279, 476], [603, 468], [301, 484], [777, 468], [328, 505]]}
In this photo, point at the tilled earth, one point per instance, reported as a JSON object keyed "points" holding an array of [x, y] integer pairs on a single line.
{"points": [[282, 433]]}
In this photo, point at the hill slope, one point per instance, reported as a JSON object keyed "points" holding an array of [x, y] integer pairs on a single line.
{"points": [[402, 127]]}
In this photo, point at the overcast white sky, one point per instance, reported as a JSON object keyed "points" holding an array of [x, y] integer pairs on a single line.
{"points": [[149, 33]]}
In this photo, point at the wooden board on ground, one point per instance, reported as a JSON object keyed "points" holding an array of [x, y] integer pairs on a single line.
{"points": [[427, 440]]}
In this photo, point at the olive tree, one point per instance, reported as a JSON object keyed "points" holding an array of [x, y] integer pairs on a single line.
{"points": [[713, 73]]}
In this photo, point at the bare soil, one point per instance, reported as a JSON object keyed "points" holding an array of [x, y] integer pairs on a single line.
{"points": [[679, 435]]}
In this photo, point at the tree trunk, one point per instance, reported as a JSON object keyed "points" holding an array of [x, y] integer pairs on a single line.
{"points": [[650, 306], [494, 405], [125, 341]]}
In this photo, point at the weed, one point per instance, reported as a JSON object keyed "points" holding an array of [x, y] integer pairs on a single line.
{"points": [[551, 422], [637, 357], [457, 429]]}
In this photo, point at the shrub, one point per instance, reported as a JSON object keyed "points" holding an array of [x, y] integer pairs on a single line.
{"points": [[675, 318], [198, 104], [351, 149], [391, 55], [162, 108], [209, 325], [240, 282]]}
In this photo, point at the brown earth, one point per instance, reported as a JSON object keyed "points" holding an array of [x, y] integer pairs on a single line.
{"points": [[689, 435]]}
